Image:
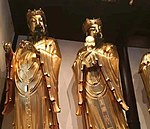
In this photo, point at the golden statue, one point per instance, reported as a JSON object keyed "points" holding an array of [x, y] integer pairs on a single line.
{"points": [[96, 69], [32, 78], [144, 71]]}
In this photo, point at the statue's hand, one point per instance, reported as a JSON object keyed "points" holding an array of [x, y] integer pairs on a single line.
{"points": [[7, 47]]}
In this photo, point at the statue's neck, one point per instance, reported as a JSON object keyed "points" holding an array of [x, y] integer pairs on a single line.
{"points": [[36, 38], [99, 40]]}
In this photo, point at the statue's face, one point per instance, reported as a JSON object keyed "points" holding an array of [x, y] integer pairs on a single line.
{"points": [[36, 25], [95, 30]]}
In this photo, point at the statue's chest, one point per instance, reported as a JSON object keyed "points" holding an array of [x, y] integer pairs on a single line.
{"points": [[28, 71], [27, 64]]}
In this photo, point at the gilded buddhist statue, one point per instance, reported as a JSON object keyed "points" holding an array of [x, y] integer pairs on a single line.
{"points": [[96, 69], [32, 77], [144, 71]]}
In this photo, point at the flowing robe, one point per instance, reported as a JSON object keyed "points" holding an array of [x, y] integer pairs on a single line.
{"points": [[32, 80], [100, 100]]}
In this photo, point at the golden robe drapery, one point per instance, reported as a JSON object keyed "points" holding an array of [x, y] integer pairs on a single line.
{"points": [[100, 100], [33, 77]]}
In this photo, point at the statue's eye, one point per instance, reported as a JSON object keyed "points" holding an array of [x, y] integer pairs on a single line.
{"points": [[33, 20], [40, 19]]}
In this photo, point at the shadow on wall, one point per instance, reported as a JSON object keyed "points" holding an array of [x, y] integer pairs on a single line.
{"points": [[73, 102]]}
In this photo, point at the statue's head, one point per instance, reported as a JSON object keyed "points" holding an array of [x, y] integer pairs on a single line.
{"points": [[92, 27], [36, 21]]}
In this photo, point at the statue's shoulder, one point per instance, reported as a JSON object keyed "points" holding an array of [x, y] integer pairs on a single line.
{"points": [[51, 41], [81, 52], [108, 49], [53, 45]]}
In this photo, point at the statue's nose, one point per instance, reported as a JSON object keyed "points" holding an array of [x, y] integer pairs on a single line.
{"points": [[38, 28], [37, 22]]}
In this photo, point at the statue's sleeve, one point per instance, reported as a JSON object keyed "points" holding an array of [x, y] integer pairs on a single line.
{"points": [[50, 59], [144, 71], [78, 72], [109, 62], [9, 83]]}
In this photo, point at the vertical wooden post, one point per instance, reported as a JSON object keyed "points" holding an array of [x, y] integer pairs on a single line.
{"points": [[128, 90]]}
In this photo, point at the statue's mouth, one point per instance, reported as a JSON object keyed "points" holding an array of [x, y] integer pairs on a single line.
{"points": [[39, 29]]}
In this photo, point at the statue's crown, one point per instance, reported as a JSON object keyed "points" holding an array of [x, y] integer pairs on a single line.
{"points": [[94, 21], [31, 13]]}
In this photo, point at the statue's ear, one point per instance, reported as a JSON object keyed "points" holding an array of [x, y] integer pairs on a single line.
{"points": [[29, 10], [87, 20]]}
